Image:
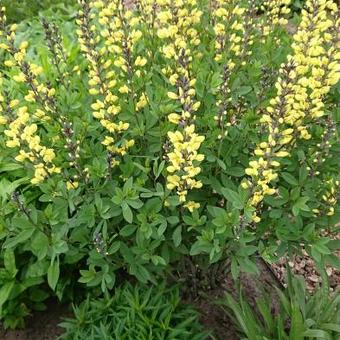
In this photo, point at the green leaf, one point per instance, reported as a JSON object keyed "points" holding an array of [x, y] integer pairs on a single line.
{"points": [[221, 164], [10, 167], [157, 169], [333, 260], [265, 311], [200, 247], [9, 261], [136, 204], [21, 237], [300, 205], [53, 274], [5, 292], [128, 185], [140, 272], [177, 236], [321, 248], [235, 171], [242, 90], [303, 174], [40, 245], [127, 212], [158, 260], [247, 265], [127, 253], [233, 197], [290, 179], [114, 247], [297, 326], [128, 230], [235, 269], [86, 276], [331, 326], [315, 333]]}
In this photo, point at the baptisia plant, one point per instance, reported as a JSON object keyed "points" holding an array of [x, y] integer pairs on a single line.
{"points": [[164, 137]]}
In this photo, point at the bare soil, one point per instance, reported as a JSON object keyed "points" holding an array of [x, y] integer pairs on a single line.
{"points": [[41, 325]]}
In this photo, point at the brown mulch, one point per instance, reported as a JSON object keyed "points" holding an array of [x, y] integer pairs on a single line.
{"points": [[305, 266]]}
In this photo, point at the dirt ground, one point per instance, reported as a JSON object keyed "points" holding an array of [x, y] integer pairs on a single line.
{"points": [[41, 326]]}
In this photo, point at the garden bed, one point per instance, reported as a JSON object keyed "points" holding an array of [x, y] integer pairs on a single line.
{"points": [[44, 325], [152, 155]]}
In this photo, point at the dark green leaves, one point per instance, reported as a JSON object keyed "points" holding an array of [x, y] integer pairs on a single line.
{"points": [[299, 205], [128, 199], [5, 291], [177, 236], [290, 179], [233, 197], [127, 212], [53, 273]]}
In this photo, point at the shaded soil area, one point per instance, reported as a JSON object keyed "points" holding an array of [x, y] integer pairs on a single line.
{"points": [[41, 325]]}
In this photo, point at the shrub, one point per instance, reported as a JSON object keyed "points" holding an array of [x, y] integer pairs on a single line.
{"points": [[173, 136], [299, 316], [134, 313]]}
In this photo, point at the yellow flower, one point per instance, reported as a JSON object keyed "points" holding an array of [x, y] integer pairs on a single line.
{"points": [[98, 105], [191, 206], [123, 89], [9, 63], [172, 181], [143, 101], [245, 185], [140, 61], [282, 154], [330, 211], [251, 172], [108, 141], [20, 78], [13, 103], [13, 143], [48, 155], [172, 95], [174, 118], [22, 156], [3, 120], [256, 218], [72, 185]]}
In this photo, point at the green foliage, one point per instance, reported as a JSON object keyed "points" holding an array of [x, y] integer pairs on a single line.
{"points": [[19, 10], [300, 315], [132, 313], [297, 5]]}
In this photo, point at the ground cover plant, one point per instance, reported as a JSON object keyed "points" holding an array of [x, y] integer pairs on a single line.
{"points": [[135, 313], [164, 139]]}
